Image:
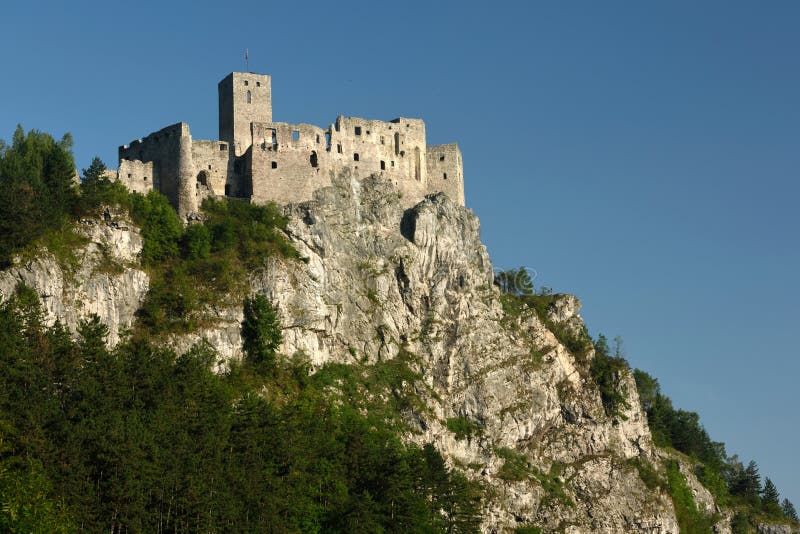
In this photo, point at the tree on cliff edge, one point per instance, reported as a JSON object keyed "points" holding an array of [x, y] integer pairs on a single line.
{"points": [[36, 188], [261, 331], [788, 510]]}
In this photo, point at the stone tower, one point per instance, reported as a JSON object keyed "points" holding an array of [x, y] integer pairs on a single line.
{"points": [[244, 98]]}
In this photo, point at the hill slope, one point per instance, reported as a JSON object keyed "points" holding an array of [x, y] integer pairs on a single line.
{"points": [[510, 390]]}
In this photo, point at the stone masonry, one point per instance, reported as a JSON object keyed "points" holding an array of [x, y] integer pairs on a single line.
{"points": [[261, 160]]}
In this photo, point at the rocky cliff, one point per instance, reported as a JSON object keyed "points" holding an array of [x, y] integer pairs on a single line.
{"points": [[380, 281]]}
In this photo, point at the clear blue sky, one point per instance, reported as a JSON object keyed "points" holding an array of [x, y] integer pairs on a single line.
{"points": [[642, 155]]}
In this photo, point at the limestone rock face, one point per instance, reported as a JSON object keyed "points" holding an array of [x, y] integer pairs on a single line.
{"points": [[105, 280], [379, 278], [768, 528]]}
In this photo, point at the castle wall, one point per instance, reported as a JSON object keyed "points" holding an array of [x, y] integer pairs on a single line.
{"points": [[288, 162], [396, 149], [169, 155], [446, 171], [162, 149], [136, 175], [213, 168]]}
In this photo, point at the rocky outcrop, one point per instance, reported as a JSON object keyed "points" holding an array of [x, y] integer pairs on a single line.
{"points": [[771, 528], [379, 279], [102, 278]]}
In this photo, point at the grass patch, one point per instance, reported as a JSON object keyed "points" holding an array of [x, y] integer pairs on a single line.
{"points": [[515, 466], [62, 243], [690, 519], [647, 473]]}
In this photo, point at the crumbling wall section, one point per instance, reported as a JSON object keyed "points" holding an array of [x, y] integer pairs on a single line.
{"points": [[395, 149], [212, 168], [291, 161], [136, 175], [288, 162], [159, 152], [446, 171]]}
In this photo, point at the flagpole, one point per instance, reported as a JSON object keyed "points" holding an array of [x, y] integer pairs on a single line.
{"points": [[246, 60]]}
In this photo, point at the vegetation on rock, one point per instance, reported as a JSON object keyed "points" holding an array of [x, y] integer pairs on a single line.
{"points": [[139, 439]]}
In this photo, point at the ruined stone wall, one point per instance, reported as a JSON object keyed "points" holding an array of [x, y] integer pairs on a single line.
{"points": [[136, 175], [395, 149], [213, 168], [288, 162], [244, 98], [446, 171], [291, 161], [168, 154], [396, 144], [161, 150]]}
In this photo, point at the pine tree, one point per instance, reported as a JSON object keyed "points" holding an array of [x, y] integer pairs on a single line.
{"points": [[95, 171], [261, 331], [747, 482], [788, 510], [769, 494], [770, 498]]}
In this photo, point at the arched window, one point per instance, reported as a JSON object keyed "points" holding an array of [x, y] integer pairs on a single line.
{"points": [[249, 97]]}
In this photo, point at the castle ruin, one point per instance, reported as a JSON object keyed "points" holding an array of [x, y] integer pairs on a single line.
{"points": [[261, 160]]}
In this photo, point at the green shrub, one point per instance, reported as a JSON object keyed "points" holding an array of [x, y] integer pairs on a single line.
{"points": [[607, 372], [515, 304], [463, 427], [252, 231], [205, 264], [172, 302], [197, 242], [741, 524], [552, 484], [161, 228]]}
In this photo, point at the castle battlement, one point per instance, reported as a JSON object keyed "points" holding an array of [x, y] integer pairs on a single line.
{"points": [[263, 161]]}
